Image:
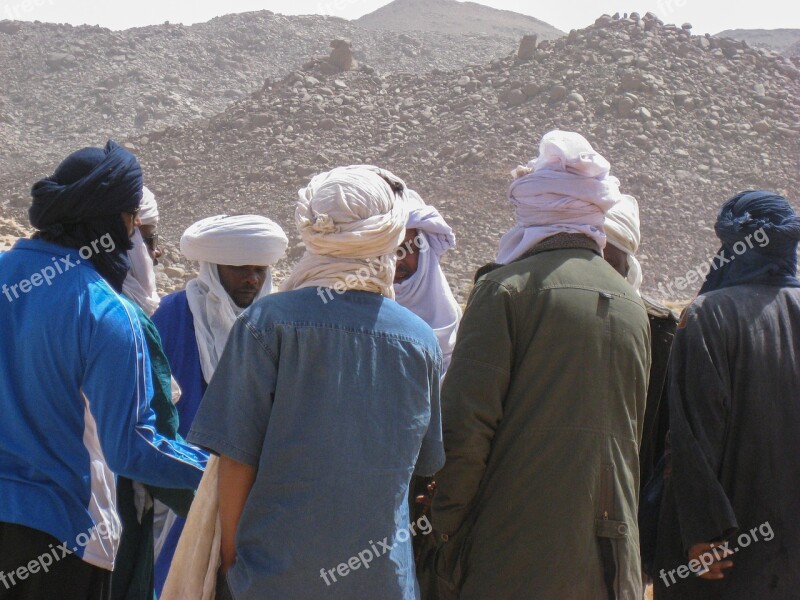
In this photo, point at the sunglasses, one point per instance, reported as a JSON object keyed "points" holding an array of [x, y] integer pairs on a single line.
{"points": [[151, 241], [134, 211]]}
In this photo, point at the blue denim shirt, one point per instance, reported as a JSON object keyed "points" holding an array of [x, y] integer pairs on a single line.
{"points": [[334, 400]]}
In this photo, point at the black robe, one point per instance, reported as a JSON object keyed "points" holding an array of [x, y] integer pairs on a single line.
{"points": [[735, 445]]}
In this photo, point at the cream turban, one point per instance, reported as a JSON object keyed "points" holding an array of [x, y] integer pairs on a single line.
{"points": [[148, 208], [622, 231], [140, 282], [567, 189], [352, 219], [223, 240]]}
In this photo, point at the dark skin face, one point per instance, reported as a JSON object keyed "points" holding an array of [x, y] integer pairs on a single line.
{"points": [[147, 231], [617, 259], [407, 257], [242, 283]]}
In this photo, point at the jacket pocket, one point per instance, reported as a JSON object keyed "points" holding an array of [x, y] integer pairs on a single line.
{"points": [[449, 562]]}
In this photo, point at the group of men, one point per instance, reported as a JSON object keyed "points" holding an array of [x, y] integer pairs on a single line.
{"points": [[232, 440]]}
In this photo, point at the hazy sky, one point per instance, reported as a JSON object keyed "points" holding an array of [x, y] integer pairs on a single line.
{"points": [[709, 16]]}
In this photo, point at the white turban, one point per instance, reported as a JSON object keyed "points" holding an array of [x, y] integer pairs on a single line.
{"points": [[140, 282], [567, 189], [223, 240], [148, 208], [426, 293], [622, 230], [352, 219]]}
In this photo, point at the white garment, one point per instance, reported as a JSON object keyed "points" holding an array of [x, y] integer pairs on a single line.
{"points": [[426, 293], [222, 240], [567, 189], [140, 282], [623, 231], [351, 219]]}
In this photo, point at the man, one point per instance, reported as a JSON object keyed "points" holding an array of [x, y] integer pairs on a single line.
{"points": [[419, 282], [235, 254], [133, 576], [74, 384], [324, 400], [729, 526], [623, 232], [622, 228], [421, 286], [543, 401]]}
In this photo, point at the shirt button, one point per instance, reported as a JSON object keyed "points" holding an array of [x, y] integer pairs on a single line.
{"points": [[445, 537], [622, 529]]}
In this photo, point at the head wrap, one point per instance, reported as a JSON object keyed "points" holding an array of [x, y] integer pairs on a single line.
{"points": [[82, 201], [140, 283], [622, 231], [352, 219], [759, 233], [223, 240], [148, 209], [426, 293], [567, 189]]}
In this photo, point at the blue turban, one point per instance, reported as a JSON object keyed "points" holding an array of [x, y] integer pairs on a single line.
{"points": [[82, 202], [759, 233]]}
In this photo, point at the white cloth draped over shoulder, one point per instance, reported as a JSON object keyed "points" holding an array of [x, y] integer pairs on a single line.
{"points": [[225, 240], [426, 293], [140, 283], [351, 219], [567, 189], [623, 231]]}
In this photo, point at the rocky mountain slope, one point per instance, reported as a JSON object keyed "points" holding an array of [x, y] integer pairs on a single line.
{"points": [[452, 16], [686, 121], [62, 85], [779, 40]]}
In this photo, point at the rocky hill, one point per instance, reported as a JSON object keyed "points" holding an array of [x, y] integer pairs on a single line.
{"points": [[452, 16], [62, 85], [783, 41], [686, 121]]}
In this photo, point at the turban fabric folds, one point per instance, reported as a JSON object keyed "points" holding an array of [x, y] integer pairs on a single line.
{"points": [[567, 189], [622, 229], [82, 202], [759, 231], [351, 219], [426, 293]]}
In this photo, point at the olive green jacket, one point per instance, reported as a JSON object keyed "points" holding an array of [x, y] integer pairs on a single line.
{"points": [[543, 407]]}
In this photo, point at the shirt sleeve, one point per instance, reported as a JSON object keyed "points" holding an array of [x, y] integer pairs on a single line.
{"points": [[472, 400], [233, 417], [117, 386], [699, 406], [431, 454]]}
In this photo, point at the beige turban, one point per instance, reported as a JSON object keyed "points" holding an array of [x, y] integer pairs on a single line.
{"points": [[623, 232], [352, 219]]}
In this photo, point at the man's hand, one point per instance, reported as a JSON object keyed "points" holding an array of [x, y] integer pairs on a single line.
{"points": [[235, 481], [712, 556]]}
